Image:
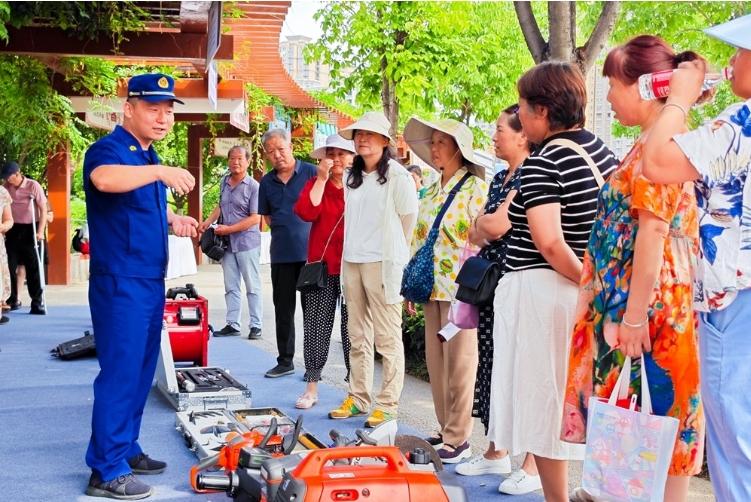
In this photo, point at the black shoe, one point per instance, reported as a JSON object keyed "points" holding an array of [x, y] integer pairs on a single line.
{"points": [[38, 311], [14, 306], [227, 331], [143, 464], [279, 370], [255, 334], [125, 487], [4, 319]]}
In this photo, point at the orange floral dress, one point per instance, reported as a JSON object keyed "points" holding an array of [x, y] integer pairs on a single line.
{"points": [[673, 364]]}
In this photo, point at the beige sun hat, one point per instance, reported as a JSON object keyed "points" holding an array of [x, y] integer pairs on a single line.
{"points": [[371, 121], [333, 141], [418, 134]]}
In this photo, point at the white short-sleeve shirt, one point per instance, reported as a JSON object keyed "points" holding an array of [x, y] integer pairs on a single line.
{"points": [[721, 152]]}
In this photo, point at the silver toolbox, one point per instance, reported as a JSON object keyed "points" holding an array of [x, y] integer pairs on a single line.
{"points": [[198, 388]]}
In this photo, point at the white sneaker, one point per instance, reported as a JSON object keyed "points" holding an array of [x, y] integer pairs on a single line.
{"points": [[480, 465], [519, 483]]}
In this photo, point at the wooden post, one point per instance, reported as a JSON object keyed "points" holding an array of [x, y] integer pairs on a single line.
{"points": [[58, 233], [195, 166]]}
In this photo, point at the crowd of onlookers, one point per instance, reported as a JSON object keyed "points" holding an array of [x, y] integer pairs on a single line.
{"points": [[601, 259]]}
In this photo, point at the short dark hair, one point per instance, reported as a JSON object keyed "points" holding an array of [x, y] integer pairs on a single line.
{"points": [[559, 87], [415, 169], [239, 147]]}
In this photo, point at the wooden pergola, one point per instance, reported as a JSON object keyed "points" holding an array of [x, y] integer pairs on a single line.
{"points": [[177, 34]]}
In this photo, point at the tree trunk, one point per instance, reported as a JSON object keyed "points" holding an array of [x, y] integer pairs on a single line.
{"points": [[559, 17], [388, 99], [562, 43]]}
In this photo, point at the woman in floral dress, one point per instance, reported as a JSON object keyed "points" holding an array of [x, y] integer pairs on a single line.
{"points": [[635, 292]]}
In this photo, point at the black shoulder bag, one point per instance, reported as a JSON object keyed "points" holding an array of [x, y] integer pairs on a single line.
{"points": [[315, 275]]}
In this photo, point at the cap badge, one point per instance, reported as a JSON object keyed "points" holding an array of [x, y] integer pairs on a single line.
{"points": [[163, 83]]}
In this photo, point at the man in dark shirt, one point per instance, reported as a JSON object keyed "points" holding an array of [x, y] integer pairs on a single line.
{"points": [[278, 192], [126, 203]]}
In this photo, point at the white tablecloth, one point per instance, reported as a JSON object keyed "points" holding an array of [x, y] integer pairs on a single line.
{"points": [[265, 248], [182, 259]]}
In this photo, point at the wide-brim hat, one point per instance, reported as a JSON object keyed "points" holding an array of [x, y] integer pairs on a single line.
{"points": [[418, 134], [736, 32], [371, 121], [333, 141]]}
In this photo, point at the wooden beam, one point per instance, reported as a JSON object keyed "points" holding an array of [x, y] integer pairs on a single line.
{"points": [[34, 41], [58, 188], [194, 17]]}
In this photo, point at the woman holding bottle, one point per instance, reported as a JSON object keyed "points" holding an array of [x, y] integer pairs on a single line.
{"points": [[717, 157], [635, 294]]}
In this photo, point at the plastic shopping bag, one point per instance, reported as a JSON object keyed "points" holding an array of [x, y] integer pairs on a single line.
{"points": [[628, 452]]}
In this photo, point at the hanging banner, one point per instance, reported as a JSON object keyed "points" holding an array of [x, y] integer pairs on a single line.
{"points": [[103, 119]]}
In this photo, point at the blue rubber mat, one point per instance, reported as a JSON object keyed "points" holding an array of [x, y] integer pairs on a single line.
{"points": [[45, 413]]}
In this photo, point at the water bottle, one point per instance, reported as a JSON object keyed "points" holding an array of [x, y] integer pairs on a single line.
{"points": [[657, 85]]}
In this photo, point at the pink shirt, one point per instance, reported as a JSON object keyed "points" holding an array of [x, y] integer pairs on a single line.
{"points": [[21, 195]]}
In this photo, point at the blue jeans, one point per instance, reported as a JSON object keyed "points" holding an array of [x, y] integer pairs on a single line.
{"points": [[245, 265], [725, 351]]}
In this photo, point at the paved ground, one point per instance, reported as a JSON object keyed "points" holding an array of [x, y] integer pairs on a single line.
{"points": [[417, 407]]}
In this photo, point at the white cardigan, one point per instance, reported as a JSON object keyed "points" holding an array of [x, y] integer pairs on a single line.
{"points": [[401, 201]]}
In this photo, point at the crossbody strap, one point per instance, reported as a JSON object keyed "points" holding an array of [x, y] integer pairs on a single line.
{"points": [[220, 220], [330, 236], [449, 200], [583, 154]]}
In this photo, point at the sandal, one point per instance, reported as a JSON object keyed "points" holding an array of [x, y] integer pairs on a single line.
{"points": [[306, 401]]}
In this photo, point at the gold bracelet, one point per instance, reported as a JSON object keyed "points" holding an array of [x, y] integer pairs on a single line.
{"points": [[635, 326], [680, 107]]}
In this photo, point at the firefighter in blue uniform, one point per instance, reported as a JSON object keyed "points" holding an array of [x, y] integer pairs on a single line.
{"points": [[128, 218]]}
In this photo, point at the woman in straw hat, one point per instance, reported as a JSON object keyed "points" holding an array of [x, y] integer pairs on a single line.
{"points": [[717, 157], [447, 146], [321, 202], [380, 211]]}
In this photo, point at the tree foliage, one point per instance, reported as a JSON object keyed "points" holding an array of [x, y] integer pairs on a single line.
{"points": [[423, 57]]}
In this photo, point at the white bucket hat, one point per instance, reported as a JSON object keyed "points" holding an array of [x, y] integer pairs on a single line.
{"points": [[418, 135], [736, 32], [333, 141], [371, 121]]}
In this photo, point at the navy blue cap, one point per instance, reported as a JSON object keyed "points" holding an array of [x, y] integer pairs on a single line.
{"points": [[153, 87], [9, 169]]}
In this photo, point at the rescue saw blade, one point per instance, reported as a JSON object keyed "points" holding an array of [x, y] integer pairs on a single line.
{"points": [[407, 443]]}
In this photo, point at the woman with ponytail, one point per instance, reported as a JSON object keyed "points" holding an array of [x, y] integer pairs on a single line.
{"points": [[635, 296]]}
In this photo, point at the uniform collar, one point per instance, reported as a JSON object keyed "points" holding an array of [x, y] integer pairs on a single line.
{"points": [[129, 141]]}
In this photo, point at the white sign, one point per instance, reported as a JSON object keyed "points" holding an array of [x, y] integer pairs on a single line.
{"points": [[240, 118], [103, 119], [223, 145]]}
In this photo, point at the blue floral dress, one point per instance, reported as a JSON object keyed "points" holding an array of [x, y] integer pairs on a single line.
{"points": [[495, 251]]}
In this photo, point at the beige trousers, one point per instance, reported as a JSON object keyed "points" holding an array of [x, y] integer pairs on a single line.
{"points": [[373, 322], [452, 367]]}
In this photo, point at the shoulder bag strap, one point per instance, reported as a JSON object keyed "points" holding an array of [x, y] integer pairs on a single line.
{"points": [[329, 239], [583, 154], [220, 220], [449, 200]]}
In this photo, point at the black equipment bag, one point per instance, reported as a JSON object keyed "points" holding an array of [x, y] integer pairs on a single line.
{"points": [[74, 349], [213, 245]]}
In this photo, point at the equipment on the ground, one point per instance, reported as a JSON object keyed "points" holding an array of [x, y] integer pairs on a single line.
{"points": [[197, 388], [84, 346], [389, 477], [186, 314]]}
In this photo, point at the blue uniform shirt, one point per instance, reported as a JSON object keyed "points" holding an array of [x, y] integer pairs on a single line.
{"points": [[289, 234], [127, 231]]}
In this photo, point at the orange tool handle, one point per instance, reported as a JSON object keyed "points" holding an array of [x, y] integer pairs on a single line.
{"points": [[316, 460]]}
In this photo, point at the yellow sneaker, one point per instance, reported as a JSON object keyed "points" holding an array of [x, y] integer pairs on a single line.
{"points": [[346, 410], [378, 417]]}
